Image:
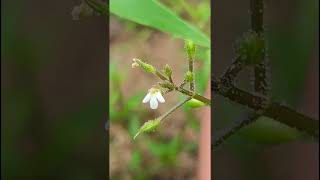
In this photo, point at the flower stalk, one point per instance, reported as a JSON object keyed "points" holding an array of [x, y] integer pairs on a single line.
{"points": [[174, 108]]}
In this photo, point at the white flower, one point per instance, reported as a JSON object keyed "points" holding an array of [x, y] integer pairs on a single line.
{"points": [[134, 64], [154, 95]]}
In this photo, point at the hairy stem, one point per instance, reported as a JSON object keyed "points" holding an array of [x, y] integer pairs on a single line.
{"points": [[232, 72], [260, 74], [194, 95], [280, 113], [224, 134], [161, 76], [192, 83], [184, 91], [257, 8], [260, 78], [292, 118]]}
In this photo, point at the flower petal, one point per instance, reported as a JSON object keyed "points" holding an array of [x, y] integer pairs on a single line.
{"points": [[160, 97], [146, 98], [153, 102]]}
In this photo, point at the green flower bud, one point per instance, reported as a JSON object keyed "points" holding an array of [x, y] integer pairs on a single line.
{"points": [[167, 70], [190, 47], [149, 126], [194, 103], [189, 76], [145, 66], [251, 49]]}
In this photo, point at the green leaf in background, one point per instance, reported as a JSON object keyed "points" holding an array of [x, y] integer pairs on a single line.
{"points": [[203, 75], [153, 14], [134, 124], [134, 101], [166, 151], [135, 160], [290, 51]]}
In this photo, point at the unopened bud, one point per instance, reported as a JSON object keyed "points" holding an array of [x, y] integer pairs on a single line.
{"points": [[188, 76], [149, 126], [168, 70], [190, 47], [145, 66]]}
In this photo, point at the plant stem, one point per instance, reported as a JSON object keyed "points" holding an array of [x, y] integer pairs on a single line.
{"points": [[192, 83], [170, 79], [292, 118], [161, 76], [260, 74], [174, 108], [222, 135], [257, 8], [232, 72], [272, 110], [194, 95], [260, 78], [184, 91]]}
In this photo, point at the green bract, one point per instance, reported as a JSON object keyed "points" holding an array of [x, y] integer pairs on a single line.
{"points": [[149, 126]]}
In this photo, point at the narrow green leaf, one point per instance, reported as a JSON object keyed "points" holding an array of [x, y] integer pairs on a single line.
{"points": [[153, 14]]}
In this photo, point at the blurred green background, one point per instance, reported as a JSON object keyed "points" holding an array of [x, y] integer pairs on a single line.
{"points": [[172, 151], [266, 149], [53, 92]]}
